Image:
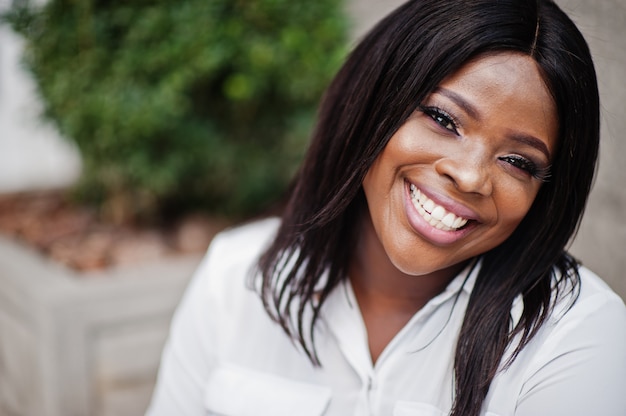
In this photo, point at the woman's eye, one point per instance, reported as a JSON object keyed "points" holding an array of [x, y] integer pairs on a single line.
{"points": [[442, 118], [527, 166]]}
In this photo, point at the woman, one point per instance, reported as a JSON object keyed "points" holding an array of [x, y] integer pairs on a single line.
{"points": [[419, 267]]}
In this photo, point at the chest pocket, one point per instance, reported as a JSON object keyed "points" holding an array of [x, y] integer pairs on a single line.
{"points": [[237, 391]]}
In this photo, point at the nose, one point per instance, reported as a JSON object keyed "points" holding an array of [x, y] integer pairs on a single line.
{"points": [[468, 171]]}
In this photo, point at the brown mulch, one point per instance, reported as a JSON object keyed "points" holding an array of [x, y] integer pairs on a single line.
{"points": [[74, 236]]}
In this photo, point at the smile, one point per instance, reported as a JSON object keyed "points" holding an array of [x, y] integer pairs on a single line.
{"points": [[434, 214]]}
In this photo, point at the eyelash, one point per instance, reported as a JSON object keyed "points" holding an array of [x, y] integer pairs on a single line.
{"points": [[442, 118], [448, 122], [539, 173]]}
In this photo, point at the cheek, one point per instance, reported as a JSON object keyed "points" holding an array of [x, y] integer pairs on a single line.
{"points": [[369, 179], [513, 205], [380, 177]]}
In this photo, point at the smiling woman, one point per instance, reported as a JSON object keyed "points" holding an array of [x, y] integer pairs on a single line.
{"points": [[472, 152], [419, 267], [463, 166]]}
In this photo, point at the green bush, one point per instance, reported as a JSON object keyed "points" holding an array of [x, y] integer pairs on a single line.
{"points": [[181, 104]]}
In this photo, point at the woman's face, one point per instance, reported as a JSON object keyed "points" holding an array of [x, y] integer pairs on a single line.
{"points": [[462, 172]]}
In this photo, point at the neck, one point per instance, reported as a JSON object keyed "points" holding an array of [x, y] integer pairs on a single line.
{"points": [[388, 297], [376, 277]]}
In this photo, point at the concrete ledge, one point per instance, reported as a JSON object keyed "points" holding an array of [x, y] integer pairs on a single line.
{"points": [[84, 344]]}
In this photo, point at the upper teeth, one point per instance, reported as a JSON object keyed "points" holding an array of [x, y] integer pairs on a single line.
{"points": [[434, 214]]}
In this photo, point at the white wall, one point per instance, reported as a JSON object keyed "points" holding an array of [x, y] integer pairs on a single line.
{"points": [[32, 154], [601, 243]]}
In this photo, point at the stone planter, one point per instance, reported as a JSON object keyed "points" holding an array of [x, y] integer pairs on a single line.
{"points": [[75, 345]]}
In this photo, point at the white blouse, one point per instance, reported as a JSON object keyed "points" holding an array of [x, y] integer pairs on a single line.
{"points": [[226, 357]]}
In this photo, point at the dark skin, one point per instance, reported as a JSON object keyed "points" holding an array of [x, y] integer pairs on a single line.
{"points": [[388, 304]]}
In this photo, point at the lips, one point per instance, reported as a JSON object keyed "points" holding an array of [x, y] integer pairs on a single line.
{"points": [[434, 214]]}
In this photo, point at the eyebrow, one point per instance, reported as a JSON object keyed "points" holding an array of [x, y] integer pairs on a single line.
{"points": [[531, 141], [460, 101], [475, 114]]}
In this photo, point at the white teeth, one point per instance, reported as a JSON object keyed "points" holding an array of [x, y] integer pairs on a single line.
{"points": [[438, 213], [449, 219], [429, 205], [434, 214]]}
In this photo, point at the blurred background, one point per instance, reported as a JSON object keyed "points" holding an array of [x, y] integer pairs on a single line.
{"points": [[123, 105], [118, 124]]}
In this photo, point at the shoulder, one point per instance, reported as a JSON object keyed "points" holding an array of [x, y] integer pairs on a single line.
{"points": [[231, 259], [594, 298], [592, 284], [214, 319], [586, 328], [243, 243], [577, 361], [588, 325]]}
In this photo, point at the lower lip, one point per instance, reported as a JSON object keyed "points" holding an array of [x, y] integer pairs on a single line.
{"points": [[430, 233]]}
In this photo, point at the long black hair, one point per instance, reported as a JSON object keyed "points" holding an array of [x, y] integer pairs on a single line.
{"points": [[390, 72]]}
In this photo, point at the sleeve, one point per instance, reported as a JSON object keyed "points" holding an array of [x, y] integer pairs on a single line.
{"points": [[187, 359], [581, 370]]}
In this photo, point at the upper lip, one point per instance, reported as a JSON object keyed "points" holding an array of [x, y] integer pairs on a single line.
{"points": [[450, 204]]}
